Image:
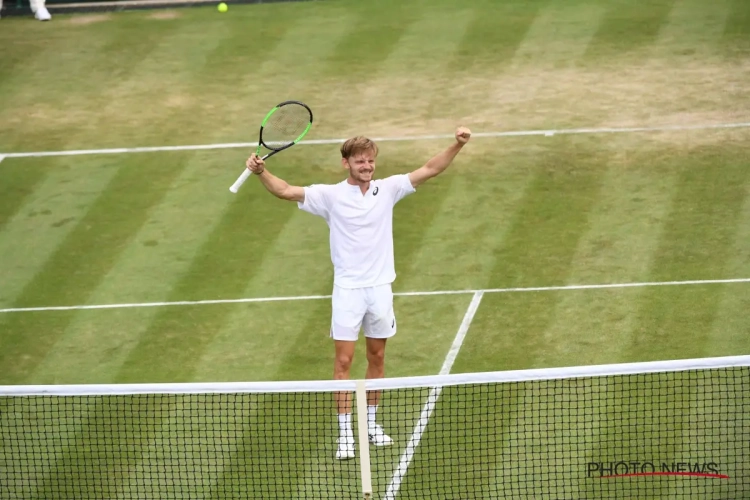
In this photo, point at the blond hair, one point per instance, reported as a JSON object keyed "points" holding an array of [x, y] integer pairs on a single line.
{"points": [[357, 145]]}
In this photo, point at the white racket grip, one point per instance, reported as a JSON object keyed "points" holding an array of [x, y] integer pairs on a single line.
{"points": [[240, 180]]}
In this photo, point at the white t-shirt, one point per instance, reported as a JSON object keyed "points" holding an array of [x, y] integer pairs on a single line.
{"points": [[361, 227]]}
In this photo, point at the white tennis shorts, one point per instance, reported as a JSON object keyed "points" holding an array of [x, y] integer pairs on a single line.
{"points": [[371, 308]]}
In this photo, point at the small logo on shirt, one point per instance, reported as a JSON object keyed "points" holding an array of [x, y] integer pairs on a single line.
{"points": [[374, 193]]}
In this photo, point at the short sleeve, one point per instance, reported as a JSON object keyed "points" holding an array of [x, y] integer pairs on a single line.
{"points": [[399, 186], [317, 200]]}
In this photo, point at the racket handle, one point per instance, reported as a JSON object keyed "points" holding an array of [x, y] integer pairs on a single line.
{"points": [[240, 180]]}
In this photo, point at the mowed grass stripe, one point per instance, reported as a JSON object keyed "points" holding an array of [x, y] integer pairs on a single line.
{"points": [[101, 448], [160, 253], [693, 26], [536, 87], [150, 265], [397, 96], [590, 327], [712, 430], [484, 52], [736, 35], [625, 229], [38, 107], [415, 218], [171, 72], [16, 64], [288, 453], [155, 365], [253, 344], [544, 428], [50, 213], [493, 35], [189, 444], [47, 98], [283, 62], [80, 261], [729, 333], [19, 180], [697, 241], [412, 54], [418, 214], [382, 32], [455, 454], [737, 28], [293, 69], [559, 35], [93, 247], [31, 438], [481, 57], [538, 250], [702, 86], [628, 26], [213, 273], [293, 263], [46, 242], [469, 221], [221, 268], [88, 253], [640, 418]]}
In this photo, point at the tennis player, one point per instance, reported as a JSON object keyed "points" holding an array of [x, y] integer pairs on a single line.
{"points": [[359, 213]]}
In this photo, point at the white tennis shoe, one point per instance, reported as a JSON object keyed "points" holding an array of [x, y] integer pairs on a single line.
{"points": [[345, 442], [42, 14], [346, 447], [378, 437]]}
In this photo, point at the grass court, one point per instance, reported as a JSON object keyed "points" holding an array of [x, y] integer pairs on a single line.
{"points": [[513, 211]]}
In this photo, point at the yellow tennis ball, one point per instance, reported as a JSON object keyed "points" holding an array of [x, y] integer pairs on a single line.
{"points": [[223, 7]]}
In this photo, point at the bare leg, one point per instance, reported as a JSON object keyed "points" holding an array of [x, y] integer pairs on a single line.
{"points": [[375, 369], [375, 366], [341, 365]]}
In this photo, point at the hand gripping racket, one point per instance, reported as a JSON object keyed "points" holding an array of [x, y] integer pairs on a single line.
{"points": [[283, 127]]}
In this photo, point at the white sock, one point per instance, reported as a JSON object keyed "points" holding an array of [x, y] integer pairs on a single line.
{"points": [[345, 423], [371, 409]]}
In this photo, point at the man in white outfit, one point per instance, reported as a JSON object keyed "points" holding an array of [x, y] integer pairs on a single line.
{"points": [[38, 7], [359, 213]]}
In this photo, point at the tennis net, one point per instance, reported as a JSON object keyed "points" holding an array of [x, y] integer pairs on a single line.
{"points": [[671, 429]]}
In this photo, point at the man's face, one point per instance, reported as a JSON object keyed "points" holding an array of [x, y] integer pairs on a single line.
{"points": [[361, 166]]}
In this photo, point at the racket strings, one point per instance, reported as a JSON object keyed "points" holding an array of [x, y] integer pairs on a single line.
{"points": [[285, 125]]}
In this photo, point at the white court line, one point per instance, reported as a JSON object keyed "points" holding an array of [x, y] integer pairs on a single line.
{"points": [[399, 294], [2, 157], [429, 406], [550, 132]]}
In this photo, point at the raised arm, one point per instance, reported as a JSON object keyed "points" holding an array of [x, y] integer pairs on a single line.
{"points": [[277, 187], [438, 163]]}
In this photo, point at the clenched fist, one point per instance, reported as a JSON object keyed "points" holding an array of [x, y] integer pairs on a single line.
{"points": [[462, 135]]}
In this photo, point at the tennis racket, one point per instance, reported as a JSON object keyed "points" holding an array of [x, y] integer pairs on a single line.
{"points": [[283, 127]]}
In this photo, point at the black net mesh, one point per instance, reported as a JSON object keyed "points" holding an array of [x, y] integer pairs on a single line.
{"points": [[676, 435], [285, 125], [165, 446], [672, 435]]}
